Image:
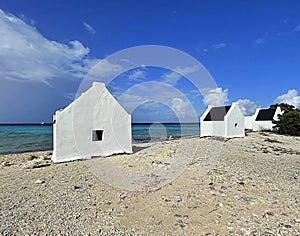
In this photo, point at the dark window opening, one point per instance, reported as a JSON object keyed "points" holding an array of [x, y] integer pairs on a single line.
{"points": [[235, 125], [97, 135]]}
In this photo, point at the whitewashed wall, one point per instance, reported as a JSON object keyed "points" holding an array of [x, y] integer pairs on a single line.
{"points": [[226, 128], [96, 109], [249, 122], [212, 128], [266, 124], [234, 122]]}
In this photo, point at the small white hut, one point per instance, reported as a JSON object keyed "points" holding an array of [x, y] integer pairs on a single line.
{"points": [[223, 121], [262, 119], [94, 124], [249, 122]]}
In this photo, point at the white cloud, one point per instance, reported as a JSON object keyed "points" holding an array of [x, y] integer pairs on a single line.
{"points": [[179, 106], [103, 69], [137, 75], [89, 28], [259, 41], [291, 97], [297, 28], [171, 77], [218, 46], [216, 97], [159, 93], [213, 47], [26, 55], [247, 107], [174, 76]]}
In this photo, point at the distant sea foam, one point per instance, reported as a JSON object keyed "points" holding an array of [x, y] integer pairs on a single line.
{"points": [[16, 138]]}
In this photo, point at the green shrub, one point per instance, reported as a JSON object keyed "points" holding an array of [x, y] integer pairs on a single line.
{"points": [[289, 121]]}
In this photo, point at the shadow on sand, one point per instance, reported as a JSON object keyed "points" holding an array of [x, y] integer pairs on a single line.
{"points": [[136, 149]]}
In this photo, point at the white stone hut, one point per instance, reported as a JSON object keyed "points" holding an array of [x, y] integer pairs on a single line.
{"points": [[262, 119], [223, 121], [94, 124], [249, 122]]}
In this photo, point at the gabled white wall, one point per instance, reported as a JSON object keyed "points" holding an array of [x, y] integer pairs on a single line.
{"points": [[95, 109], [265, 124], [226, 128], [234, 122]]}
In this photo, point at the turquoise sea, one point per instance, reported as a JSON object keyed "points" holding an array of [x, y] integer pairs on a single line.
{"points": [[15, 138]]}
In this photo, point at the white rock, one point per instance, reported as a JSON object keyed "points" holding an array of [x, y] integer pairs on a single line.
{"points": [[39, 181]]}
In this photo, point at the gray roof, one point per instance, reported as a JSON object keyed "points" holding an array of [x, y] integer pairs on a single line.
{"points": [[265, 114], [217, 113]]}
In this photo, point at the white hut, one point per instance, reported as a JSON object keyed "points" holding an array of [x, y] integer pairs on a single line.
{"points": [[95, 124], [223, 121], [249, 122], [262, 119]]}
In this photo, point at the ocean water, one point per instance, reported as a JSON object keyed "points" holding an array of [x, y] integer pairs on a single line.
{"points": [[23, 138], [158, 131], [18, 138]]}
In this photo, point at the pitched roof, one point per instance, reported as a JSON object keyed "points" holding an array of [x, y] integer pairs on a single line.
{"points": [[265, 114], [217, 113]]}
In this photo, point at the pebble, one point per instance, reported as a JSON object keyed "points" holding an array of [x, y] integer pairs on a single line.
{"points": [[76, 187], [177, 198], [6, 163], [36, 164], [39, 181], [124, 195], [160, 164]]}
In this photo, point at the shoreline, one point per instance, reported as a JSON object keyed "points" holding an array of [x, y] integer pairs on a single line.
{"points": [[134, 142], [251, 189], [21, 152], [38, 137]]}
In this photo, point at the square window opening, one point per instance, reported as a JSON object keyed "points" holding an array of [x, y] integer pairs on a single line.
{"points": [[97, 135]]}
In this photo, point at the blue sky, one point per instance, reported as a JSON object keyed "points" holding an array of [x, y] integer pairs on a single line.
{"points": [[251, 49]]}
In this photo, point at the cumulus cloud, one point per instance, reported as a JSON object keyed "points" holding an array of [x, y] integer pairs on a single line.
{"points": [[247, 106], [26, 55], [161, 93], [89, 28], [291, 97], [179, 106], [216, 97], [174, 76]]}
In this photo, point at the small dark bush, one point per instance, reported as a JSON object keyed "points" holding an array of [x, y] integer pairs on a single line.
{"points": [[289, 121]]}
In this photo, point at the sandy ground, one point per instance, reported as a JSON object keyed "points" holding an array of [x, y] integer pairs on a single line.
{"points": [[247, 186]]}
